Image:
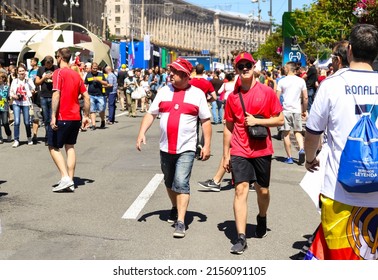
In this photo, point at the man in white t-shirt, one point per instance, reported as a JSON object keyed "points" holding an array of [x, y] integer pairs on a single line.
{"points": [[294, 92], [179, 106], [349, 221]]}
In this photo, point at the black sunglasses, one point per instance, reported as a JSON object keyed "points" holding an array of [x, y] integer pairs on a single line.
{"points": [[248, 65]]}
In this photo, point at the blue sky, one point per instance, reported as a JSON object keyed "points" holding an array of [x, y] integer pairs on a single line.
{"points": [[246, 7]]}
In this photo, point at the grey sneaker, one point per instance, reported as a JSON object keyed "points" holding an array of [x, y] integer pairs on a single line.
{"points": [[252, 188], [261, 227], [210, 185], [179, 230], [9, 138], [30, 141], [240, 246], [173, 215], [65, 183]]}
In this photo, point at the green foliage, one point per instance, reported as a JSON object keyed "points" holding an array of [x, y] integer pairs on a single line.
{"points": [[268, 50], [319, 26]]}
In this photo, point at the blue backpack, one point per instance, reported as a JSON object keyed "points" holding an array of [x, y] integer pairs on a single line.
{"points": [[358, 170]]}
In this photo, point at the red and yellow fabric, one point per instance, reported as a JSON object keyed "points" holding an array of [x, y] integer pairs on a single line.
{"points": [[346, 233]]}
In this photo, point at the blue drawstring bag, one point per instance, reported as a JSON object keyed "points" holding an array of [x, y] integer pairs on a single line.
{"points": [[358, 168]]}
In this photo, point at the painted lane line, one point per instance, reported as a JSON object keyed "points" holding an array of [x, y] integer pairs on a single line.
{"points": [[142, 199]]}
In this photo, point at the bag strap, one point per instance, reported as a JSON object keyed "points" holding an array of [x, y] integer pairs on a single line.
{"points": [[242, 101]]}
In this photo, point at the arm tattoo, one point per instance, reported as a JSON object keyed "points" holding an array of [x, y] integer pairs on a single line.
{"points": [[55, 102]]}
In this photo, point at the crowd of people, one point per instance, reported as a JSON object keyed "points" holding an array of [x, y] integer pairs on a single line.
{"points": [[68, 97]]}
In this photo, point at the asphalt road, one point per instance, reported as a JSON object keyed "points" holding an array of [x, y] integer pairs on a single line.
{"points": [[39, 224]]}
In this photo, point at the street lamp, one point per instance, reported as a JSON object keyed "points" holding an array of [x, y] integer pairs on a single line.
{"points": [[3, 16], [259, 20], [72, 3]]}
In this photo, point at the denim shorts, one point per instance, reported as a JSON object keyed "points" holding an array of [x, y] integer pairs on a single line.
{"points": [[66, 133], [177, 169], [251, 170], [97, 104]]}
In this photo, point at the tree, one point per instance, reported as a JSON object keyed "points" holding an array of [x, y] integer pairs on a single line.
{"points": [[268, 50], [322, 24]]}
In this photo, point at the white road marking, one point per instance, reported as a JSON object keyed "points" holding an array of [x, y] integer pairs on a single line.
{"points": [[121, 114], [142, 199]]}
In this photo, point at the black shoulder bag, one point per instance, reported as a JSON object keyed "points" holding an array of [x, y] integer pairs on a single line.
{"points": [[258, 132]]}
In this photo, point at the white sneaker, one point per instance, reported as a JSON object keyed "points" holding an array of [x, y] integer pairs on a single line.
{"points": [[65, 183], [30, 141], [15, 144]]}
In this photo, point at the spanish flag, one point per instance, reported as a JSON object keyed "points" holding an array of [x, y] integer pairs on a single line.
{"points": [[346, 233]]}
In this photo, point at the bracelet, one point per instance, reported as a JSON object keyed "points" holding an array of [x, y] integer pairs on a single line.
{"points": [[311, 162]]}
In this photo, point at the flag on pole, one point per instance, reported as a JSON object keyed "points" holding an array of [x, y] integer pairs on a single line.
{"points": [[147, 47], [131, 54]]}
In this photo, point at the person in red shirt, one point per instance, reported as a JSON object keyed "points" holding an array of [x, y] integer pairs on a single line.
{"points": [[207, 87], [249, 159], [203, 84], [66, 118]]}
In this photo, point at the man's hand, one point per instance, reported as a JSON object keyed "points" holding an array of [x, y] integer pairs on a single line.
{"points": [[250, 120], [205, 153], [141, 139], [53, 123], [313, 165], [226, 163]]}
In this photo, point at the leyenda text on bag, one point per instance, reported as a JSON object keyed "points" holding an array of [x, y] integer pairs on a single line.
{"points": [[358, 167]]}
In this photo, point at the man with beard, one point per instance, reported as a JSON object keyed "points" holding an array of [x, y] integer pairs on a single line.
{"points": [[179, 105]]}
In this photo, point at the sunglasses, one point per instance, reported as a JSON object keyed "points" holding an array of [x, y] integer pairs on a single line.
{"points": [[248, 65]]}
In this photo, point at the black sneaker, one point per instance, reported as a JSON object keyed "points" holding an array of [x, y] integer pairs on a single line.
{"points": [[240, 246], [173, 215], [261, 227], [301, 157], [210, 185], [102, 124], [179, 230]]}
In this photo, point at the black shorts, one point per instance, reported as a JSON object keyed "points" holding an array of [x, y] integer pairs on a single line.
{"points": [[66, 133], [251, 170]]}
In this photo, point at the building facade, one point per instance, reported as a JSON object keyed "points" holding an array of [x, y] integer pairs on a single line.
{"points": [[184, 28], [36, 14], [176, 25]]}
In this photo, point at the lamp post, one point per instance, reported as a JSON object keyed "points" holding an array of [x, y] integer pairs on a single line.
{"points": [[3, 16], [71, 3], [104, 24], [259, 21]]}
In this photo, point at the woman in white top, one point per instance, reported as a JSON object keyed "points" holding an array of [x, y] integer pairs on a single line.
{"points": [[145, 100], [227, 88], [21, 92]]}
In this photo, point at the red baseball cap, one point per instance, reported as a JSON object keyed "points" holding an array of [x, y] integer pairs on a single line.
{"points": [[244, 56], [182, 65]]}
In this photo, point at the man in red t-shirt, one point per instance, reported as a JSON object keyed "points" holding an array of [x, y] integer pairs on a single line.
{"points": [[66, 118], [206, 86], [249, 158]]}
